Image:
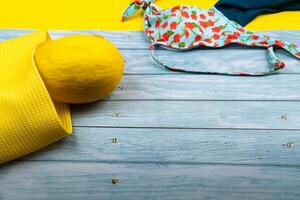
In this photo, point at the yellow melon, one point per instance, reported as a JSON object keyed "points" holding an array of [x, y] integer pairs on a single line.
{"points": [[79, 68]]}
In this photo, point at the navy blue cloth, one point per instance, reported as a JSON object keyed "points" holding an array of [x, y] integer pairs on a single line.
{"points": [[244, 11]]}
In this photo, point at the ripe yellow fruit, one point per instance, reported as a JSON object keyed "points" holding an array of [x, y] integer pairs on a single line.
{"points": [[79, 68]]}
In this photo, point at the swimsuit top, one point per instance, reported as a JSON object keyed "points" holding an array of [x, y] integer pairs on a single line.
{"points": [[187, 27]]}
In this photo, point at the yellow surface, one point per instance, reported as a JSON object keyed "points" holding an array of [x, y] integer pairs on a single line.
{"points": [[105, 14], [29, 119]]}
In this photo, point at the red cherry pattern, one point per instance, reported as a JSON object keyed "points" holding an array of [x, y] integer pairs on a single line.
{"points": [[189, 27]]}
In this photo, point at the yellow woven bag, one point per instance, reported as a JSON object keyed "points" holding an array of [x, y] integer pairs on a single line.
{"points": [[29, 119]]}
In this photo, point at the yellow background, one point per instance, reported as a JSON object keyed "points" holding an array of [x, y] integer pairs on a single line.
{"points": [[106, 14]]}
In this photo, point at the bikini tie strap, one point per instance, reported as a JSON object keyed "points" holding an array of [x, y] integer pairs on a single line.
{"points": [[137, 5]]}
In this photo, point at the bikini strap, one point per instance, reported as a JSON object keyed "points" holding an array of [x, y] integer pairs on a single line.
{"points": [[255, 39], [292, 48], [276, 64], [137, 5]]}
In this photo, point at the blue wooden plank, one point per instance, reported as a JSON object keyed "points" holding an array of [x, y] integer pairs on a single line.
{"points": [[233, 58], [222, 60], [168, 163], [77, 180], [136, 39], [204, 87], [189, 114], [259, 147]]}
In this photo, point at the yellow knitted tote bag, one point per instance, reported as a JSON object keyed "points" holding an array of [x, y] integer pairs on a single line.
{"points": [[29, 119]]}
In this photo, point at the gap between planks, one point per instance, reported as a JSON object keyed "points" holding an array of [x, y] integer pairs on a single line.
{"points": [[185, 128], [157, 163]]}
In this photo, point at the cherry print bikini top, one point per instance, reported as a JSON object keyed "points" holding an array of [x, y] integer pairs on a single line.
{"points": [[188, 27]]}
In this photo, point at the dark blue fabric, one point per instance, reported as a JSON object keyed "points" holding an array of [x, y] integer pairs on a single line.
{"points": [[244, 11]]}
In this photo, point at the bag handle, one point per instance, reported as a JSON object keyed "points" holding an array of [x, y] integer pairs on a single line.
{"points": [[276, 64]]}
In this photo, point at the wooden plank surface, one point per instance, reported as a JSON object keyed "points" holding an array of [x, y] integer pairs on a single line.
{"points": [[136, 39], [227, 59], [233, 58], [168, 135], [204, 87], [78, 180], [186, 146], [190, 114]]}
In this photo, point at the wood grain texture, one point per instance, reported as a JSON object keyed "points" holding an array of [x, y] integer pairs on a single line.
{"points": [[61, 180], [204, 87], [189, 114], [228, 59], [253, 147], [168, 135], [136, 39], [232, 58]]}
